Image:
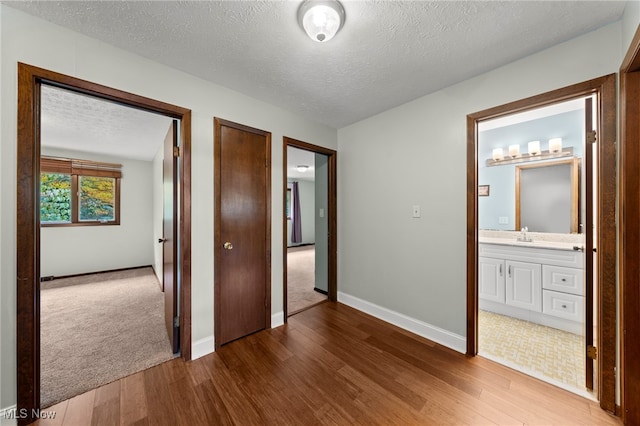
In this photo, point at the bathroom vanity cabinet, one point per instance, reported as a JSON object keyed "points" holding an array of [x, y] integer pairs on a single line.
{"points": [[537, 284]]}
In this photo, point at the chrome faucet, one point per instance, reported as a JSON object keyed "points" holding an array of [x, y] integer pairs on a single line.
{"points": [[523, 235]]}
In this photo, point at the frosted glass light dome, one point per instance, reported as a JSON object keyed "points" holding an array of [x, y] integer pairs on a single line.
{"points": [[321, 20]]}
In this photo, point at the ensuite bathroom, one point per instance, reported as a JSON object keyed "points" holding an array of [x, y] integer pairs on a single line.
{"points": [[536, 243]]}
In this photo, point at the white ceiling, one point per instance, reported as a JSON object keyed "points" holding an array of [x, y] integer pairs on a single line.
{"points": [[83, 123], [300, 157], [388, 53]]}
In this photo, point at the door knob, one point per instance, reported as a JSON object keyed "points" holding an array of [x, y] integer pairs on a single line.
{"points": [[227, 246], [162, 240]]}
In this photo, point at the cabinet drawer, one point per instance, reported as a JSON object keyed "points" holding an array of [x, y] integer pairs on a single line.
{"points": [[562, 305], [567, 280]]}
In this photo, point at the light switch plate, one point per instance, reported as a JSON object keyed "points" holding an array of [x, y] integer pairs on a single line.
{"points": [[416, 211], [321, 212]]}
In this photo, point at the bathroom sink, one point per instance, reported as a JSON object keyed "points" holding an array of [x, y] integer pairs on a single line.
{"points": [[556, 245]]}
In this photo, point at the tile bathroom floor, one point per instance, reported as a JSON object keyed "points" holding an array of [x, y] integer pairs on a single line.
{"points": [[544, 352]]}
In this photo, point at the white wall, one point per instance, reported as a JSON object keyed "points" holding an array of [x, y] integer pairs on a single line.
{"points": [[158, 209], [630, 21], [306, 191], [322, 223], [40, 43], [501, 201], [416, 154], [68, 250]]}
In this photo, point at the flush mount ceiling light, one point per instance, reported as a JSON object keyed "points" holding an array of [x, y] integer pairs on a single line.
{"points": [[302, 168], [321, 19]]}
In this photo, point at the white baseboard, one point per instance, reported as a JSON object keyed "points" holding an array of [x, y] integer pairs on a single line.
{"points": [[446, 338], [277, 319], [8, 412], [202, 347], [206, 345]]}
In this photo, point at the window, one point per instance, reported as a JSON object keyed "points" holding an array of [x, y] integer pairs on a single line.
{"points": [[79, 192]]}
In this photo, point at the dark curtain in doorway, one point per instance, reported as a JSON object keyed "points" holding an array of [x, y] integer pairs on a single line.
{"points": [[296, 223]]}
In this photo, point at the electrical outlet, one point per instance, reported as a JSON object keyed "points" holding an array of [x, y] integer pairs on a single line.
{"points": [[503, 220]]}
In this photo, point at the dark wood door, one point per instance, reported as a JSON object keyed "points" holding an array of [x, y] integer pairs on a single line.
{"points": [[170, 236], [589, 244], [242, 231]]}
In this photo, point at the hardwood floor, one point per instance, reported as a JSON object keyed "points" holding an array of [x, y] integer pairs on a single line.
{"points": [[329, 365]]}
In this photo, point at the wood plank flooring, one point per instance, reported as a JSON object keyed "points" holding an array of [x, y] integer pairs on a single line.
{"points": [[329, 365]]}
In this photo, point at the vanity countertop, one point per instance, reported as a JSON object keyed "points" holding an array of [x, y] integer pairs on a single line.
{"points": [[554, 245]]}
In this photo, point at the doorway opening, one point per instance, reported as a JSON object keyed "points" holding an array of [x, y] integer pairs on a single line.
{"points": [[535, 275], [307, 242], [521, 277], [101, 210], [30, 148], [309, 226]]}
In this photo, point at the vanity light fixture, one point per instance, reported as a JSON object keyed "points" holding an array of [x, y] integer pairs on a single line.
{"points": [[534, 147], [498, 154], [514, 151], [321, 19], [555, 145], [302, 168], [524, 158]]}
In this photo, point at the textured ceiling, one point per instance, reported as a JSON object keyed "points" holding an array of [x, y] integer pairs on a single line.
{"points": [[388, 53], [300, 157], [83, 123]]}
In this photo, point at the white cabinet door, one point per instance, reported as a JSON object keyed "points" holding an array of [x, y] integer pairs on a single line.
{"points": [[524, 285], [491, 274]]}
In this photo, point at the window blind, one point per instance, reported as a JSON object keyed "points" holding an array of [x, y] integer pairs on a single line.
{"points": [[80, 167]]}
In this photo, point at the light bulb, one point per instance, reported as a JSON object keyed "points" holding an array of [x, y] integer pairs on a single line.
{"points": [[555, 145], [321, 19]]}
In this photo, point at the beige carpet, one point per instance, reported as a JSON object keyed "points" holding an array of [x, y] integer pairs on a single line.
{"points": [[99, 328], [301, 279], [545, 351]]}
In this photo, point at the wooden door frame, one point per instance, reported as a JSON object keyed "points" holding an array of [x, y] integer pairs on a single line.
{"points": [[217, 242], [605, 89], [30, 79], [169, 157], [629, 244], [332, 210]]}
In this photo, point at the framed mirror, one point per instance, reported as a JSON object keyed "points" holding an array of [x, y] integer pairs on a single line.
{"points": [[548, 196]]}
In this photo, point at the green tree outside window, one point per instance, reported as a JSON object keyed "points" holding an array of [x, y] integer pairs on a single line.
{"points": [[97, 201], [79, 192], [55, 198]]}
